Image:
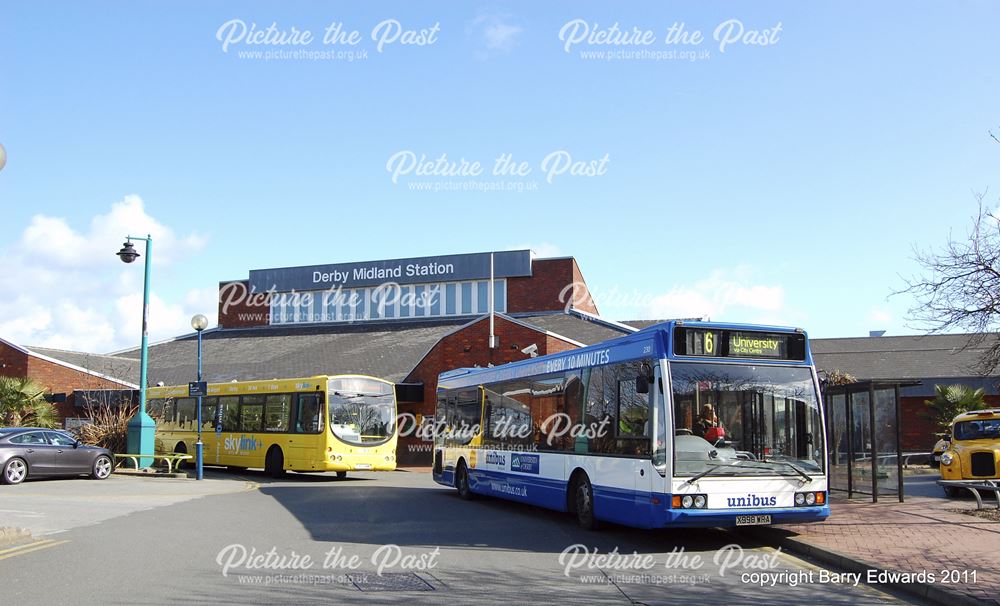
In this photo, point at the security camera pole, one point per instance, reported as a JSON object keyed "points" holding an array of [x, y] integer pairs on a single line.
{"points": [[141, 427]]}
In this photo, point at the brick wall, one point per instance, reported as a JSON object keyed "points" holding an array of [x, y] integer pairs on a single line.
{"points": [[239, 308], [450, 353], [13, 362], [55, 378], [60, 379], [918, 429], [553, 282]]}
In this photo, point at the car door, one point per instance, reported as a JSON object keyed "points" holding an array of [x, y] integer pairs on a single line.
{"points": [[36, 451], [69, 458]]}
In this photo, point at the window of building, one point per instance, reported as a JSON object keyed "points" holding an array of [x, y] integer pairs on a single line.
{"points": [[482, 297], [466, 299], [405, 301], [378, 302], [420, 306], [451, 299]]}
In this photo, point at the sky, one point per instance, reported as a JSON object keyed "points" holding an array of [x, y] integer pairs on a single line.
{"points": [[772, 162]]}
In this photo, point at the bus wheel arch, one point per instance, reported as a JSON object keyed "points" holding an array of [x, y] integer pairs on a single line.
{"points": [[462, 480], [274, 462], [181, 449], [580, 499]]}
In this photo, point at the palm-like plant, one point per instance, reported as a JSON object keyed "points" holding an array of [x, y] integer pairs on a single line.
{"points": [[952, 400], [22, 404]]}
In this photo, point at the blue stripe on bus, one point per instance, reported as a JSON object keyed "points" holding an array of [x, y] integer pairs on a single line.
{"points": [[618, 505]]}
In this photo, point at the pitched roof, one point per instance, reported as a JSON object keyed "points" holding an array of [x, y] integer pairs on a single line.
{"points": [[379, 349], [117, 368], [582, 328], [389, 350], [903, 357]]}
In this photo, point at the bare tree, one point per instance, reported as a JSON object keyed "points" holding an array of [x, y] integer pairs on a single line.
{"points": [[960, 287]]}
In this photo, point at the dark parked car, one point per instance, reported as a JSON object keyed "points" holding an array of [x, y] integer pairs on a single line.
{"points": [[30, 451]]}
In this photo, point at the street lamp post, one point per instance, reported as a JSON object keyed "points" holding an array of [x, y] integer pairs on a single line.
{"points": [[141, 427], [199, 323]]}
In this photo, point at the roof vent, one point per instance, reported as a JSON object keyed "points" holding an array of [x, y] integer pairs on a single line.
{"points": [[876, 333]]}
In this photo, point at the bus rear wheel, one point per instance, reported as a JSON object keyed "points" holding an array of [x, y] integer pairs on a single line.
{"points": [[274, 463], [462, 482], [584, 501], [341, 475]]}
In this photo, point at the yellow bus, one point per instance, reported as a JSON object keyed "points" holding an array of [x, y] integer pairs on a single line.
{"points": [[325, 423]]}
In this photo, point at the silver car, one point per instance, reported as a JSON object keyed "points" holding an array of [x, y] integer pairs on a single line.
{"points": [[35, 452]]}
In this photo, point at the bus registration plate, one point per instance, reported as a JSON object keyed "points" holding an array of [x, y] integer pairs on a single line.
{"points": [[362, 466], [752, 520]]}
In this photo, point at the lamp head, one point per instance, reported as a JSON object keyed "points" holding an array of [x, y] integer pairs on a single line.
{"points": [[199, 322], [128, 253]]}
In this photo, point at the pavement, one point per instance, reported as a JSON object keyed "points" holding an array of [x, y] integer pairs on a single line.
{"points": [[953, 558], [173, 541]]}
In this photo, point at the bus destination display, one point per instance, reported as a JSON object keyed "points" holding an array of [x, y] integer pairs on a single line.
{"points": [[718, 343]]}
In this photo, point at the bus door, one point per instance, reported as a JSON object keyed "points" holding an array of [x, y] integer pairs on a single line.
{"points": [[308, 440]]}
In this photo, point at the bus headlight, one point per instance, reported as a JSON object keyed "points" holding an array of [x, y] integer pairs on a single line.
{"points": [[808, 499], [689, 501], [947, 458]]}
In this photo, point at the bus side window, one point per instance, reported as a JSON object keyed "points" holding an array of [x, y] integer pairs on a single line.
{"points": [[308, 414], [230, 412], [277, 411], [208, 406]]}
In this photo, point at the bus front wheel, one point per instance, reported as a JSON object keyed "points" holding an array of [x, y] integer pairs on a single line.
{"points": [[462, 482], [584, 501], [274, 463]]}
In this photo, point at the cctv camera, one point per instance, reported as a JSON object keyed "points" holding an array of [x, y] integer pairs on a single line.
{"points": [[531, 350]]}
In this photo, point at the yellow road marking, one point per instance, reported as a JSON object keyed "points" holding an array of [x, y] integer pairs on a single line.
{"points": [[36, 546]]}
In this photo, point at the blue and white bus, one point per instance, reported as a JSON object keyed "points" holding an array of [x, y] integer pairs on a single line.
{"points": [[679, 424]]}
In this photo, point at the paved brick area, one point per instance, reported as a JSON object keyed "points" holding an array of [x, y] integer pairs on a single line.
{"points": [[918, 535]]}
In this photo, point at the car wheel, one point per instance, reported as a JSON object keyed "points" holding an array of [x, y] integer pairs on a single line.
{"points": [[102, 468], [274, 463], [14, 472], [585, 504], [462, 482], [341, 475]]}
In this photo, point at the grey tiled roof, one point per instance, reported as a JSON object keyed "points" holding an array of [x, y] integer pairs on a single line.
{"points": [[578, 328], [124, 368], [388, 351], [905, 357]]}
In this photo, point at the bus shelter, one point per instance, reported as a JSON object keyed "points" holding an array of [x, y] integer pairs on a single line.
{"points": [[864, 437]]}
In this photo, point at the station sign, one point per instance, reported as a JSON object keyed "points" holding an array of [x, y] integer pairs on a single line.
{"points": [[416, 270]]}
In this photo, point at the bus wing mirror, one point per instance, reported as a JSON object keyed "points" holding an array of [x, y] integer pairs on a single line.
{"points": [[642, 384]]}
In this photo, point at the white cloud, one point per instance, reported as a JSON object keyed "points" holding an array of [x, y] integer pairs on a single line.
{"points": [[71, 292], [495, 34], [723, 295], [880, 316]]}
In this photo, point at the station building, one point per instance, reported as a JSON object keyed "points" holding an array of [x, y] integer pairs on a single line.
{"points": [[404, 320], [408, 320]]}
